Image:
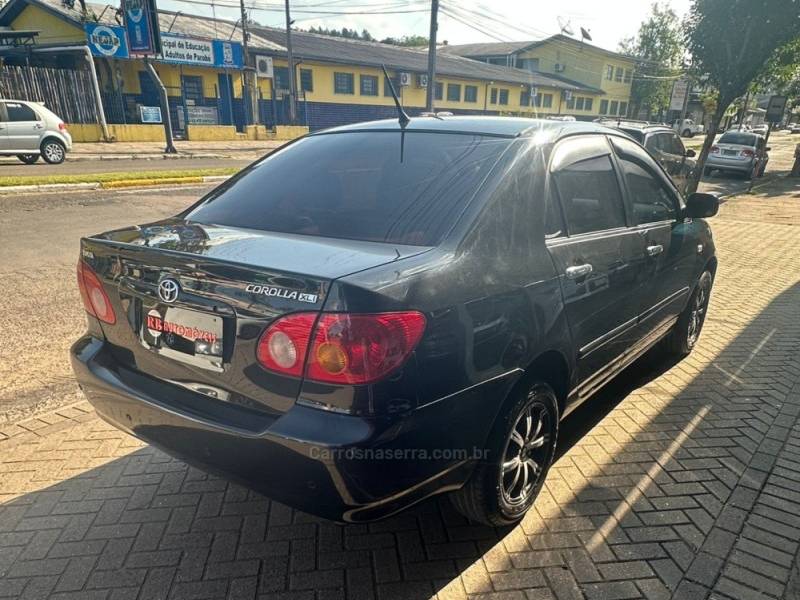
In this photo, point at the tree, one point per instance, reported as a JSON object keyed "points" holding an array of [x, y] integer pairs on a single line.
{"points": [[658, 46], [731, 42], [406, 40]]}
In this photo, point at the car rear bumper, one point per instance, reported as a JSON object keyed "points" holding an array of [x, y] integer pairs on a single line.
{"points": [[338, 466], [730, 164]]}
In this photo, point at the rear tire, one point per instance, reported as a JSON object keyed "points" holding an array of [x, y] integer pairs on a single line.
{"points": [[521, 448], [687, 133], [28, 159], [53, 152], [684, 335]]}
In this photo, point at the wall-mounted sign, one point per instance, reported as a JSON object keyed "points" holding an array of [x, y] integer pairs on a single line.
{"points": [[678, 97], [194, 51], [140, 18], [775, 109], [150, 114], [106, 40], [202, 115]]}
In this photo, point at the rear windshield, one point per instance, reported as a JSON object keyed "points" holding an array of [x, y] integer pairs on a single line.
{"points": [[742, 139], [635, 134], [355, 186]]}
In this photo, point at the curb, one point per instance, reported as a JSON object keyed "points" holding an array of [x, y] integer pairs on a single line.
{"points": [[121, 183], [244, 155]]}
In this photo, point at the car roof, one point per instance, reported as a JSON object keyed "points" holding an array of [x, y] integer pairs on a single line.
{"points": [[635, 125], [508, 127]]}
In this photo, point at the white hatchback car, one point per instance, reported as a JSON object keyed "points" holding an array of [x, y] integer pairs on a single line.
{"points": [[28, 130]]}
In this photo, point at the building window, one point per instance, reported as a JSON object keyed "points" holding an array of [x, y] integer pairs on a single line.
{"points": [[587, 105], [579, 103], [525, 97], [537, 100], [343, 83], [306, 80], [614, 106], [547, 101], [571, 102], [192, 89], [280, 78], [453, 92], [529, 64], [395, 82], [609, 72], [623, 109], [503, 96], [494, 96], [470, 93], [628, 75], [438, 92], [603, 107], [618, 74], [369, 85]]}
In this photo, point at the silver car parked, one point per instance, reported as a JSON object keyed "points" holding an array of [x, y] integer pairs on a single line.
{"points": [[28, 130], [742, 152]]}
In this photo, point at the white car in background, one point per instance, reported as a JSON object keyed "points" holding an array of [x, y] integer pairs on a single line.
{"points": [[28, 130], [687, 127]]}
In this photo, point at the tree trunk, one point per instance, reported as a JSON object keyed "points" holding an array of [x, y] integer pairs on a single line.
{"points": [[711, 133], [796, 167]]}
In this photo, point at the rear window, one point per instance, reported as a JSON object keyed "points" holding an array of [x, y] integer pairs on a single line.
{"points": [[355, 186], [635, 134], [742, 139]]}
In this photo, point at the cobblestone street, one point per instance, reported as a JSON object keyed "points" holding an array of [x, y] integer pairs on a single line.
{"points": [[681, 480]]}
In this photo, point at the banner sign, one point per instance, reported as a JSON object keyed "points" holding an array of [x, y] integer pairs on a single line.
{"points": [[194, 51], [679, 91], [775, 109], [106, 40], [140, 19]]}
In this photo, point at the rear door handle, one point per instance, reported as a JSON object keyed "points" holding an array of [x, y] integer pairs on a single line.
{"points": [[578, 271], [655, 250]]}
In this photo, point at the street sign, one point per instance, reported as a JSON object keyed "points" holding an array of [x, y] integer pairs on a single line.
{"points": [[775, 109], [106, 40], [677, 99], [140, 18], [150, 114]]}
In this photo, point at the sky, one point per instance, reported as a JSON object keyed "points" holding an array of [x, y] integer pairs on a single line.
{"points": [[461, 21]]}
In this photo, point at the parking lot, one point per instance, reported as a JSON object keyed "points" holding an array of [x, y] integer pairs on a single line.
{"points": [[679, 481]]}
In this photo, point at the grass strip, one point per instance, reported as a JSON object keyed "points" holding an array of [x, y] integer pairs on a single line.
{"points": [[118, 176]]}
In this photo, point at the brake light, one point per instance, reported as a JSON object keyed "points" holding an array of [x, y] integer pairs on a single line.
{"points": [[748, 152], [62, 126], [95, 299], [344, 348], [714, 149]]}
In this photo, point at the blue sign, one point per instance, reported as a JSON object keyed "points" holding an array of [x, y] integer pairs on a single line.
{"points": [[228, 54], [106, 40], [139, 26], [185, 50]]}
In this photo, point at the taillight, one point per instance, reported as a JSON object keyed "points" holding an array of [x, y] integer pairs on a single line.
{"points": [[714, 149], [62, 126], [344, 348], [747, 152], [95, 299]]}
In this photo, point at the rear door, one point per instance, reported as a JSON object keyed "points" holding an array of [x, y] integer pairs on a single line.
{"points": [[600, 260], [24, 127], [670, 254]]}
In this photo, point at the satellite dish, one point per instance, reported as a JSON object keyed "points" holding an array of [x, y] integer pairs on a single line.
{"points": [[564, 26], [585, 34]]}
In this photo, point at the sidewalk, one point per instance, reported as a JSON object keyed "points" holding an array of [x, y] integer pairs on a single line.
{"points": [[186, 149]]}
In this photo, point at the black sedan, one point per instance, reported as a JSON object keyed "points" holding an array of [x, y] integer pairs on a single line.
{"points": [[383, 312]]}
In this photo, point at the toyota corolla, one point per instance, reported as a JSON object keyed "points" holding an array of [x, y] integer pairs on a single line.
{"points": [[383, 312]]}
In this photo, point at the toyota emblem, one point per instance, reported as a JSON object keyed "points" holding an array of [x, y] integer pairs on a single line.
{"points": [[168, 290]]}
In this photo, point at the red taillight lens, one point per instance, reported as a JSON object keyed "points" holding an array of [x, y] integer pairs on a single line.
{"points": [[714, 149], [283, 345], [95, 299], [345, 348], [62, 126], [358, 349], [748, 152]]}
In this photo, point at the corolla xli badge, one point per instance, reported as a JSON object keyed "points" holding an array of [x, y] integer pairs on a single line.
{"points": [[168, 290], [276, 292]]}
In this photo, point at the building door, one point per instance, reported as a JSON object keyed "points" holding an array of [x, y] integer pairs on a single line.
{"points": [[225, 105], [149, 93]]}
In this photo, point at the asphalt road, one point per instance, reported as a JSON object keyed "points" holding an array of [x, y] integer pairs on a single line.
{"points": [[13, 167]]}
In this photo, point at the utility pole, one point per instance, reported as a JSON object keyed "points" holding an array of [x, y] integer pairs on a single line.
{"points": [[247, 90], [431, 56], [290, 64]]}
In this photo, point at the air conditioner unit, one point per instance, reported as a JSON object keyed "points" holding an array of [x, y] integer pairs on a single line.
{"points": [[405, 78], [264, 66], [422, 80], [560, 68]]}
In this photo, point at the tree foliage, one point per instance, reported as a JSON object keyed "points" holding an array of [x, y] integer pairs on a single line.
{"points": [[732, 42], [344, 32], [659, 47], [406, 40]]}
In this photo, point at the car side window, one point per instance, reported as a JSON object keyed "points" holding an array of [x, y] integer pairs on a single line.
{"points": [[553, 220], [652, 143], [590, 195], [651, 200], [20, 112], [677, 146]]}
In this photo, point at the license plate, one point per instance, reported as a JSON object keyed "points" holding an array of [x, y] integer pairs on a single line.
{"points": [[186, 335], [730, 152]]}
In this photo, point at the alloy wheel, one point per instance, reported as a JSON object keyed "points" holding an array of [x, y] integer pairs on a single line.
{"points": [[698, 314], [525, 456], [54, 152]]}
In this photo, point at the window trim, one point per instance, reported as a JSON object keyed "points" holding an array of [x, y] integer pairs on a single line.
{"points": [[310, 80], [473, 88], [364, 77], [352, 79], [453, 86], [500, 97]]}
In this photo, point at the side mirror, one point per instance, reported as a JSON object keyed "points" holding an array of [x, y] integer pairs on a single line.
{"points": [[700, 206], [691, 153]]}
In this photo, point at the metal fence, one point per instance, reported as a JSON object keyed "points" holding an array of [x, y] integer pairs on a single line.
{"points": [[67, 92]]}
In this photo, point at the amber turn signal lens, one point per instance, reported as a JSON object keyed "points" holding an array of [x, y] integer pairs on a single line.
{"points": [[332, 358]]}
